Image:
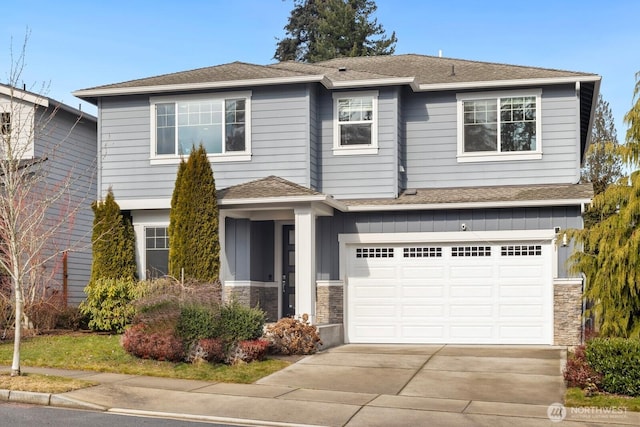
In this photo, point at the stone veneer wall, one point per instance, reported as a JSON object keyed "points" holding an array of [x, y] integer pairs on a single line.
{"points": [[567, 312], [265, 297], [329, 302]]}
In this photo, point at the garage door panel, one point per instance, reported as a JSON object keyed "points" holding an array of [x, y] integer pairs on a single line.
{"points": [[474, 290], [422, 311], [471, 310], [422, 289], [422, 333], [478, 296], [470, 272], [471, 333]]}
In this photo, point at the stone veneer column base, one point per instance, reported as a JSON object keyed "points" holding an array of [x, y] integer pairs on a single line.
{"points": [[567, 312], [261, 294], [329, 301]]}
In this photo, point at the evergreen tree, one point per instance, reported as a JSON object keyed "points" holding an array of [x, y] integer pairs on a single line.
{"points": [[324, 29], [612, 263], [603, 164], [113, 242], [193, 229]]}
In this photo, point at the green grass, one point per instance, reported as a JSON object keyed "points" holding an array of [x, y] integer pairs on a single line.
{"points": [[103, 353], [42, 383], [575, 397]]}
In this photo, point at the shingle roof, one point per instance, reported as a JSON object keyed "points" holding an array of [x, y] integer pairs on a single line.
{"points": [[435, 70], [418, 69], [269, 187], [467, 195]]}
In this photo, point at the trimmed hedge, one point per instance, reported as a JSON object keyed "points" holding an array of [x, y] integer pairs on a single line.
{"points": [[109, 304], [617, 360]]}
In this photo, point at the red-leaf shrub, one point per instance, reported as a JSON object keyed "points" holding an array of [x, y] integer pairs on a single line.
{"points": [[158, 345], [206, 349], [578, 372], [247, 351]]}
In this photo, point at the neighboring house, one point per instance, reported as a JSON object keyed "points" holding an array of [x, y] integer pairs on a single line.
{"points": [[409, 198], [61, 141]]}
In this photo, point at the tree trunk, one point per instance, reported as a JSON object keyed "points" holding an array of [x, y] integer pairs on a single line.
{"points": [[15, 366]]}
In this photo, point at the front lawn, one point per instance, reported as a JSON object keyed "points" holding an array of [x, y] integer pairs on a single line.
{"points": [[575, 397], [103, 353]]}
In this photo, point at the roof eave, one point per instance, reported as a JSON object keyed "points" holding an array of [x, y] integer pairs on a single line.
{"points": [[507, 83], [467, 205], [346, 84], [91, 94]]}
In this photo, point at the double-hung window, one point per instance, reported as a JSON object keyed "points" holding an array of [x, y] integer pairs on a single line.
{"points": [[356, 123], [499, 126], [221, 123]]}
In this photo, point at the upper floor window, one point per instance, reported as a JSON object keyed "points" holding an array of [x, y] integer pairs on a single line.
{"points": [[356, 127], [495, 126], [220, 123], [5, 123]]}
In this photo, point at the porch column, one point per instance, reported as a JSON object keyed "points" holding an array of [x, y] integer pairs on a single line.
{"points": [[305, 233]]}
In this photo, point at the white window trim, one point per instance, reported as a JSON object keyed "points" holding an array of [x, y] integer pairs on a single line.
{"points": [[498, 156], [353, 150], [168, 159]]}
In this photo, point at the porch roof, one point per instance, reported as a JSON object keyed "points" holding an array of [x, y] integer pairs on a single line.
{"points": [[487, 196]]}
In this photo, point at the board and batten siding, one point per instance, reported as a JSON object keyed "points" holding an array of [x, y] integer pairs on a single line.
{"points": [[279, 144], [431, 144], [361, 176], [70, 147], [543, 218]]}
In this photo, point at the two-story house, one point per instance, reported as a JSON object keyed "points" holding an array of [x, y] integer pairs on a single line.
{"points": [[57, 142], [406, 199]]}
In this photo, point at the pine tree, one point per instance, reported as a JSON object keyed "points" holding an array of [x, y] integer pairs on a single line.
{"points": [[113, 242], [193, 229], [325, 29], [603, 163], [612, 263]]}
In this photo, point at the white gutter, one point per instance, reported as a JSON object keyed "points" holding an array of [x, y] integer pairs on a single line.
{"points": [[90, 93], [138, 204], [466, 205], [501, 83]]}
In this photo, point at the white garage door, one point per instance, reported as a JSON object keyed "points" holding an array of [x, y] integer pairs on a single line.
{"points": [[450, 293]]}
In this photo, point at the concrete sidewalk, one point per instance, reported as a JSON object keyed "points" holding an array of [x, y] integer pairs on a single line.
{"points": [[355, 386]]}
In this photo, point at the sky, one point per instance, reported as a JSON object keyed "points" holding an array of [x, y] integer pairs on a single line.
{"points": [[80, 44]]}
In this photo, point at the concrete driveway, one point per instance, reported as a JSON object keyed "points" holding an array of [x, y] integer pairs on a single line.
{"points": [[454, 381]]}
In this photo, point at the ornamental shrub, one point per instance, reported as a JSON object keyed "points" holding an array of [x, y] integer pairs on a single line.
{"points": [[293, 336], [238, 322], [247, 351], [197, 322], [206, 350], [109, 304], [160, 345], [578, 372], [193, 221], [617, 360]]}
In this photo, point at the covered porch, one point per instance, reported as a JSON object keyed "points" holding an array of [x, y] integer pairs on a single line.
{"points": [[268, 245]]}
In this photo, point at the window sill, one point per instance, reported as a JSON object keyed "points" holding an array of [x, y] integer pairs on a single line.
{"points": [[213, 158], [354, 151], [501, 157]]}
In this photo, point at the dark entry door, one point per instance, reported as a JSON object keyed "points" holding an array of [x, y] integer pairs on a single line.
{"points": [[288, 271]]}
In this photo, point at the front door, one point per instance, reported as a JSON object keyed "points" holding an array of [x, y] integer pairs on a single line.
{"points": [[288, 271]]}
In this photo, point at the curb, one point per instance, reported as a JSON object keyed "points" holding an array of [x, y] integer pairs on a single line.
{"points": [[47, 399], [207, 418]]}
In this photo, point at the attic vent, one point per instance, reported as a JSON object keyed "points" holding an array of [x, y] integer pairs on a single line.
{"points": [[342, 68]]}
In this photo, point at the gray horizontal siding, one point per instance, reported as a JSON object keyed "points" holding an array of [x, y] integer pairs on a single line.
{"points": [[70, 148], [328, 228], [431, 144], [279, 139], [361, 176]]}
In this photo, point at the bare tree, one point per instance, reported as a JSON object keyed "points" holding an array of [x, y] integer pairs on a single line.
{"points": [[37, 204]]}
